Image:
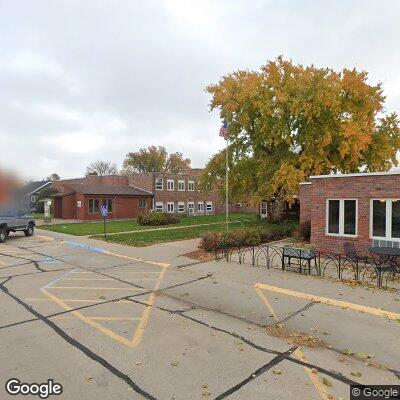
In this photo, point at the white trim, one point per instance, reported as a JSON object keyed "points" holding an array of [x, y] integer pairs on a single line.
{"points": [[202, 206], [181, 203], [144, 190], [158, 204], [40, 187], [173, 207], [305, 183], [173, 184], [189, 183], [361, 174], [388, 222], [209, 203], [341, 218], [180, 181]]}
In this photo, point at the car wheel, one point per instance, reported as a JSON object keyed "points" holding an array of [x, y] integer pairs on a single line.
{"points": [[29, 231], [3, 235]]}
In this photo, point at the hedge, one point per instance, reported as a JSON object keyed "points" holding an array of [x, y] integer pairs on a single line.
{"points": [[157, 218], [244, 237]]}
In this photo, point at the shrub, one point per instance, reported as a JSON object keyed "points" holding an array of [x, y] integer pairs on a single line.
{"points": [[210, 242], [157, 218], [304, 231]]}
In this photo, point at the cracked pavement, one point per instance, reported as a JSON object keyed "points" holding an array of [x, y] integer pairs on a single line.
{"points": [[113, 322]]}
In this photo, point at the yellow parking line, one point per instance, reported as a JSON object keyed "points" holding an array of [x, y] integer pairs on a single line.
{"points": [[77, 300], [92, 288], [102, 318], [297, 353], [137, 337], [331, 302], [90, 322], [86, 279], [164, 265]]}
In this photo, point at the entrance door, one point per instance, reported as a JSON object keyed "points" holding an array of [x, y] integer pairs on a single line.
{"points": [[264, 209]]}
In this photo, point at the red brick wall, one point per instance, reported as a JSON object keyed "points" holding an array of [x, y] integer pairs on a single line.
{"points": [[122, 207], [363, 189], [68, 206]]}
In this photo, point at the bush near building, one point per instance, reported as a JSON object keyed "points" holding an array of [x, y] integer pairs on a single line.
{"points": [[243, 237], [157, 219]]}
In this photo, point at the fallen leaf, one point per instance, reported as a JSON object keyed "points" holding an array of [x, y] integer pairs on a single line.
{"points": [[175, 363], [326, 382], [357, 374], [277, 372]]}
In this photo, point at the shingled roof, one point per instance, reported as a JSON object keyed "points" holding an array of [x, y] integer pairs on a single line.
{"points": [[109, 190]]}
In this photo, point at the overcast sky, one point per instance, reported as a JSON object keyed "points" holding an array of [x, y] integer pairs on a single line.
{"points": [[87, 80]]}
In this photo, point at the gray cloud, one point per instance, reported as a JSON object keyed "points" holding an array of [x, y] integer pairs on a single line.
{"points": [[90, 80]]}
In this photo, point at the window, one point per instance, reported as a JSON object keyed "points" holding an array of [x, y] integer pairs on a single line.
{"points": [[181, 207], [385, 219], [191, 186], [181, 186], [33, 199], [209, 206], [142, 203], [341, 217], [190, 205], [79, 203], [170, 184], [108, 203], [170, 207], [200, 206], [159, 184], [159, 206], [93, 206]]}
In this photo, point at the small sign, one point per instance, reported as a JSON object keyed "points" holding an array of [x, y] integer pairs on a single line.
{"points": [[104, 210]]}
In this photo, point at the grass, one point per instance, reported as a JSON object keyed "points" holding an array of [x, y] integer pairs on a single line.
{"points": [[96, 228], [141, 239]]}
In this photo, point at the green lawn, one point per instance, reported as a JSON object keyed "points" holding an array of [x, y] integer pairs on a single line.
{"points": [[140, 239], [95, 228]]}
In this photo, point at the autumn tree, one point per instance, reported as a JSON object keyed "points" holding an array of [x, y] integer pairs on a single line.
{"points": [[101, 168], [154, 159], [53, 177], [287, 122]]}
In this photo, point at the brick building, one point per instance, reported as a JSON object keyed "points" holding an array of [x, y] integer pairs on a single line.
{"points": [[363, 208], [82, 198], [173, 193]]}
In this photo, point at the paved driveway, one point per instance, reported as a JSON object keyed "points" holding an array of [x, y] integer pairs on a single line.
{"points": [[113, 322]]}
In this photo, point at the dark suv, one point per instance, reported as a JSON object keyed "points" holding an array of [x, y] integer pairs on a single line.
{"points": [[15, 220]]}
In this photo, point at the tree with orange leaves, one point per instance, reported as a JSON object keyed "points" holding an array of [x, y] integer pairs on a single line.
{"points": [[287, 122]]}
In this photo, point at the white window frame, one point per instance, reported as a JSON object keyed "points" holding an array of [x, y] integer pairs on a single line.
{"points": [[170, 203], [388, 224], [158, 180], [341, 218], [170, 187], [190, 207], [209, 203], [33, 199], [200, 209], [180, 205], [191, 186], [158, 205], [181, 183]]}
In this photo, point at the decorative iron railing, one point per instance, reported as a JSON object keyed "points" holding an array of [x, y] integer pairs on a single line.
{"points": [[314, 262]]}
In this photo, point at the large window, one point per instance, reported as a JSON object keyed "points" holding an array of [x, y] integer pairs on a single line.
{"points": [[341, 217], [159, 206], [191, 186], [209, 206], [385, 218], [93, 206], [181, 186], [190, 206], [181, 206], [170, 184], [170, 207], [159, 184], [200, 206], [142, 203]]}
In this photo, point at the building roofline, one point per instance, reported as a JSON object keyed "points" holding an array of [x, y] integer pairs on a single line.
{"points": [[305, 183], [40, 187], [144, 190], [358, 174]]}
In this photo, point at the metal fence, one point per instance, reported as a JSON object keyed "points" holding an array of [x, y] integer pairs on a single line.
{"points": [[316, 263]]}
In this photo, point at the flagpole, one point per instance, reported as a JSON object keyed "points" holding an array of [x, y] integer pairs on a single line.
{"points": [[226, 186]]}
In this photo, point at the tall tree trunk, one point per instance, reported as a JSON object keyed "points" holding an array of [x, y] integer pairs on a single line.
{"points": [[277, 210]]}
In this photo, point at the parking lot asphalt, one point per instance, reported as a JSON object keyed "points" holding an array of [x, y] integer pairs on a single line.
{"points": [[108, 321]]}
